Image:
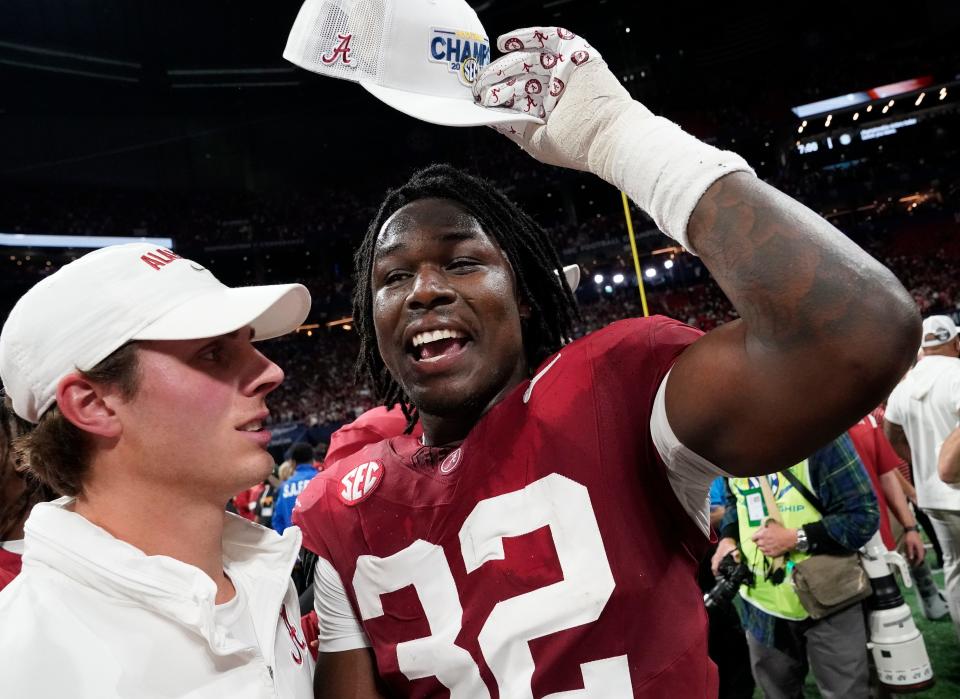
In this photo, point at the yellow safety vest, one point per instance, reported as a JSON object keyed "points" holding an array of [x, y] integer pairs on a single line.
{"points": [[779, 600]]}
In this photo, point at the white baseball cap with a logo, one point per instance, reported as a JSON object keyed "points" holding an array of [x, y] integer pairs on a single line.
{"points": [[942, 328], [418, 56], [79, 315]]}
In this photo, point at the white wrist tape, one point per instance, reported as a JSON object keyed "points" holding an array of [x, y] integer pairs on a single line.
{"points": [[661, 167]]}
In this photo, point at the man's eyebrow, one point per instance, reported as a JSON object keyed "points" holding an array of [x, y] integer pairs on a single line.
{"points": [[454, 236]]}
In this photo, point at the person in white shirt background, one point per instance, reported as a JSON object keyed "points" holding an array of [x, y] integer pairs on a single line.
{"points": [[147, 396], [923, 412]]}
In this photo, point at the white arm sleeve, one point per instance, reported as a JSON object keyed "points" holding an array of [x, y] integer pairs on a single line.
{"points": [[339, 628], [690, 474]]}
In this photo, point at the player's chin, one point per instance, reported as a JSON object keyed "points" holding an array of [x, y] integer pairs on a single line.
{"points": [[451, 396]]}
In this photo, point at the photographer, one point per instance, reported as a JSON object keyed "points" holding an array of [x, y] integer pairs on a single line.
{"points": [[784, 637]]}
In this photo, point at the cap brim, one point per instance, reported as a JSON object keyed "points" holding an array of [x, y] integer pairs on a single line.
{"points": [[270, 310], [445, 111]]}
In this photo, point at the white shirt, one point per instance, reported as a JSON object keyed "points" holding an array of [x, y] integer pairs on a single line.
{"points": [[690, 476], [236, 617], [926, 405], [93, 617]]}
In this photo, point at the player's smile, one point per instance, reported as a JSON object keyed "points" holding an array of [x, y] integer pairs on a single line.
{"points": [[445, 308], [435, 345]]}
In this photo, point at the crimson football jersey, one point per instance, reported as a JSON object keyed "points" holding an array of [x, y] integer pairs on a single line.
{"points": [[373, 426], [547, 554]]}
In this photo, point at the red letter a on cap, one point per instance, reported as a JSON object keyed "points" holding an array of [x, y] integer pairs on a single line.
{"points": [[341, 51]]}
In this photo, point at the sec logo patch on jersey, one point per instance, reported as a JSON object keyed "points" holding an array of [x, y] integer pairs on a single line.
{"points": [[358, 484]]}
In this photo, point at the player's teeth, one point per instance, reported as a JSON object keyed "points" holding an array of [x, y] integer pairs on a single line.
{"points": [[434, 335], [252, 426]]}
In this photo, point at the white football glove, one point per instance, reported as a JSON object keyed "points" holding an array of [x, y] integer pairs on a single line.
{"points": [[543, 64], [591, 123]]}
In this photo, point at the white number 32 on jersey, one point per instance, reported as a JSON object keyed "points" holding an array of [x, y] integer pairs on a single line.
{"points": [[553, 501]]}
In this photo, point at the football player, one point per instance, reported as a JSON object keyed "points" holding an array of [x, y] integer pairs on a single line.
{"points": [[541, 538]]}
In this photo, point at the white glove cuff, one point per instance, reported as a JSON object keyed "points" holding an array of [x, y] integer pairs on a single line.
{"points": [[661, 167]]}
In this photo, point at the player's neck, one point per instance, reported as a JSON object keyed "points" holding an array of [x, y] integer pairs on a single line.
{"points": [[162, 522], [452, 427], [439, 431]]}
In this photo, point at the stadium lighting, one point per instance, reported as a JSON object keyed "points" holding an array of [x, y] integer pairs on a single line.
{"points": [[943, 93], [829, 119], [608, 289], [804, 124], [919, 99], [668, 264], [598, 278], [856, 116], [890, 103], [347, 326], [618, 279], [886, 108], [651, 273], [869, 108], [628, 30], [800, 130]]}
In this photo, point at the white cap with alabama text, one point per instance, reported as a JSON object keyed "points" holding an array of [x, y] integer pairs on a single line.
{"points": [[79, 315], [418, 56]]}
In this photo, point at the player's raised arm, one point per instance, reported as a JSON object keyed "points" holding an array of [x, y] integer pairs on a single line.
{"points": [[826, 330]]}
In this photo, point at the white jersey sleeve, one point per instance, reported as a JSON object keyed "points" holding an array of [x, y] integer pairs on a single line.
{"points": [[690, 474], [339, 628]]}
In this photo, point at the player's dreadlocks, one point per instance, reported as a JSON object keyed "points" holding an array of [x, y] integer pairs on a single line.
{"points": [[527, 245]]}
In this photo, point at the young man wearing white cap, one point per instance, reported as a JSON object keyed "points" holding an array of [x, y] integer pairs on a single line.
{"points": [[138, 368], [922, 414]]}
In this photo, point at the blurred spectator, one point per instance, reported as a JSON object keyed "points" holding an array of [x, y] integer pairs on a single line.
{"points": [[245, 503], [286, 470], [922, 411], [301, 455], [882, 464]]}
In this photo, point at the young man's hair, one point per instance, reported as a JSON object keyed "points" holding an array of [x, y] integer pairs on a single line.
{"points": [[19, 491], [528, 247], [56, 451], [301, 453]]}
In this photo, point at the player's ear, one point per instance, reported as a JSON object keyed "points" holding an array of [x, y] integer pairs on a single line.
{"points": [[88, 405]]}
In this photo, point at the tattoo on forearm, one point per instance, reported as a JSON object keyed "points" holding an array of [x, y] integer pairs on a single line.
{"points": [[791, 275]]}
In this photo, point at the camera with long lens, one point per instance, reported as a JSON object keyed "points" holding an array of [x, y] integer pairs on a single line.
{"points": [[731, 574], [899, 652]]}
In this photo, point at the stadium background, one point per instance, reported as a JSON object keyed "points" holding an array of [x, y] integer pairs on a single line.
{"points": [[181, 120]]}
